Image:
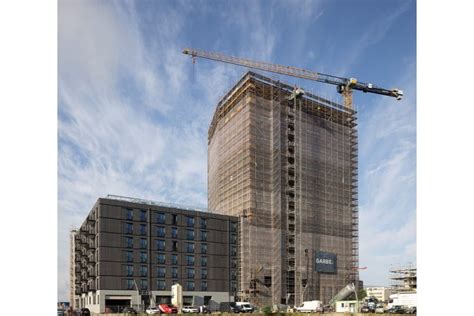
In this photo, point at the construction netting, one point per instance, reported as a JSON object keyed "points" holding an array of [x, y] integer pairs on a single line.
{"points": [[287, 167]]}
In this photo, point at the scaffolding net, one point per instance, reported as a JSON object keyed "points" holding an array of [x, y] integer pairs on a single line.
{"points": [[287, 167]]}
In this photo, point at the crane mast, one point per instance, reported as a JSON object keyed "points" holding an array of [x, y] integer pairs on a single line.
{"points": [[344, 85]]}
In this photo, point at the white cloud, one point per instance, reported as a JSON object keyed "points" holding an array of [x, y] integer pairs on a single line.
{"points": [[387, 149], [130, 121]]}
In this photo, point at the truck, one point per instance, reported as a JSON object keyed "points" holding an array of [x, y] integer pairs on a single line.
{"points": [[402, 299], [310, 307]]}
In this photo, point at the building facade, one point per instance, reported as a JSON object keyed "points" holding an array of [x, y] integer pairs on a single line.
{"points": [[129, 252], [285, 164], [381, 293]]}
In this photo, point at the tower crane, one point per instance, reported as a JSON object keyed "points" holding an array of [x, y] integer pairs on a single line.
{"points": [[344, 85]]}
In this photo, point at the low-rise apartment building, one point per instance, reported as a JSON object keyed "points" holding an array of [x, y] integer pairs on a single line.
{"points": [[129, 252], [381, 293]]}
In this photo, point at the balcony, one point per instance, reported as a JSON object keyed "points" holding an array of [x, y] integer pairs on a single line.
{"points": [[91, 287]]}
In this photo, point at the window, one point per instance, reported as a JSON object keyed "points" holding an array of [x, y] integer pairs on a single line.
{"points": [[143, 271], [161, 284], [130, 284], [129, 242], [160, 244], [161, 258], [160, 231], [174, 245], [142, 229], [203, 223], [190, 221], [128, 228], [267, 280], [189, 247], [129, 256], [143, 243], [189, 260], [233, 275], [160, 218], [233, 251], [174, 232], [203, 273], [190, 234], [161, 272], [174, 272], [174, 219], [129, 270], [233, 286], [203, 235], [143, 257], [233, 263], [143, 215], [203, 285], [190, 285], [129, 214], [190, 273], [203, 261], [203, 248], [174, 259], [233, 239], [233, 227], [143, 284]]}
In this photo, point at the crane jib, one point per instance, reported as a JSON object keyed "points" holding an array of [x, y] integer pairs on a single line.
{"points": [[342, 83]]}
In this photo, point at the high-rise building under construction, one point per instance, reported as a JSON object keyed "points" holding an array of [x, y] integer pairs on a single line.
{"points": [[285, 163]]}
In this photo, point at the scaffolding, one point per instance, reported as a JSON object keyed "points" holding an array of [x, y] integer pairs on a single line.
{"points": [[287, 167], [72, 268], [403, 279]]}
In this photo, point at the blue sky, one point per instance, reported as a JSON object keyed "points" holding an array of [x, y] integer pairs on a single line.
{"points": [[134, 112]]}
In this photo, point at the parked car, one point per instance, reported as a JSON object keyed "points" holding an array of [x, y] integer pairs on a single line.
{"points": [[129, 310], [60, 312], [379, 309], [83, 312], [167, 309], [397, 309], [152, 311], [190, 309], [366, 309], [411, 310]]}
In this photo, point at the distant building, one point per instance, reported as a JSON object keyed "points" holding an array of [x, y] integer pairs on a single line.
{"points": [[129, 252], [403, 279], [381, 293]]}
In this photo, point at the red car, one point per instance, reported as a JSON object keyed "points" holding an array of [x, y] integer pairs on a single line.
{"points": [[168, 309]]}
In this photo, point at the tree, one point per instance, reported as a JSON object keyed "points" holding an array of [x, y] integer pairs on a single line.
{"points": [[361, 293]]}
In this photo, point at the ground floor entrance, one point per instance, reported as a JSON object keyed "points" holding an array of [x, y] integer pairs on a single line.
{"points": [[116, 305]]}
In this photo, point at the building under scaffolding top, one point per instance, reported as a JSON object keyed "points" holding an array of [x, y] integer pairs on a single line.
{"points": [[287, 167]]}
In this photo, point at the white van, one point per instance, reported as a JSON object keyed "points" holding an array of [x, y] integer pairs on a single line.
{"points": [[245, 306], [310, 307]]}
